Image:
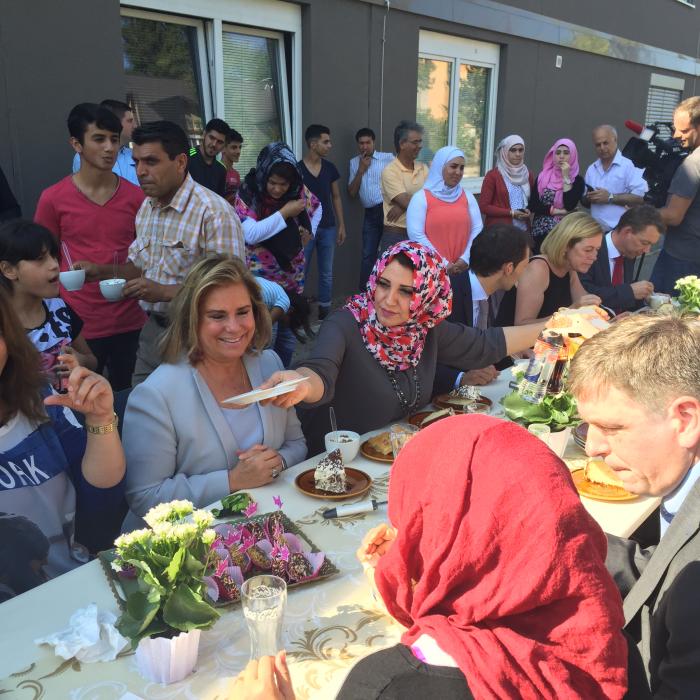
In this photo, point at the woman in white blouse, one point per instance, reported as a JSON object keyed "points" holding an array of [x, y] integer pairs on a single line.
{"points": [[182, 444], [443, 216]]}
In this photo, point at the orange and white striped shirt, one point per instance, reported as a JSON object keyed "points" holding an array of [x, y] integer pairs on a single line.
{"points": [[171, 239]]}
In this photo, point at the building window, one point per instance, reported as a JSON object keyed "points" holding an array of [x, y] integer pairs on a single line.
{"points": [[255, 95], [188, 69], [162, 70], [665, 92], [456, 100]]}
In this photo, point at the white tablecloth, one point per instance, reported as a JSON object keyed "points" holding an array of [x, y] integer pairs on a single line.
{"points": [[329, 624]]}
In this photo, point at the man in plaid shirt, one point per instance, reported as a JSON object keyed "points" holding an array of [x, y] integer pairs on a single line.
{"points": [[178, 223]]}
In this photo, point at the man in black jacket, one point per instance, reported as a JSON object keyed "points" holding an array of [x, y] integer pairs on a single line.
{"points": [[499, 255], [203, 165], [610, 277]]}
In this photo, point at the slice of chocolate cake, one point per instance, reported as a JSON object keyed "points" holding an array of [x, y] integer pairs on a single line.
{"points": [[330, 473]]}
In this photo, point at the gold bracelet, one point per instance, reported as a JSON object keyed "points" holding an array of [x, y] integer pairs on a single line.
{"points": [[103, 429]]}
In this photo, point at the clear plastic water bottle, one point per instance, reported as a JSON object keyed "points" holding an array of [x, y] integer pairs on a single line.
{"points": [[533, 386]]}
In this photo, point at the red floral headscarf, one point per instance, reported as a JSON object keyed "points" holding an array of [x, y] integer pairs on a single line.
{"points": [[401, 347]]}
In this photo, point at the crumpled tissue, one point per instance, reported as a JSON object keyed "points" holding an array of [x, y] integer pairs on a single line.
{"points": [[91, 636]]}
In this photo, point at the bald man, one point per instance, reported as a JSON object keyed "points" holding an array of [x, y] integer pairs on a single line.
{"points": [[616, 183]]}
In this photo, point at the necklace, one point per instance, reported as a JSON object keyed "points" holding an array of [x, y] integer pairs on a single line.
{"points": [[408, 405]]}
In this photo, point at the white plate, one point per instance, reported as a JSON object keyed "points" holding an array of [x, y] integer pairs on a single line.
{"points": [[262, 394]]}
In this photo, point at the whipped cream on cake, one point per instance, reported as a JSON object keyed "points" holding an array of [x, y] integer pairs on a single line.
{"points": [[330, 473]]}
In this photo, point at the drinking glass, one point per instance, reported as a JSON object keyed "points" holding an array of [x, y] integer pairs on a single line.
{"points": [[540, 430], [400, 435], [264, 599]]}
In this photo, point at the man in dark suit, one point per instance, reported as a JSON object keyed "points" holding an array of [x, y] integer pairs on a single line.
{"points": [[498, 257], [637, 384], [610, 277]]}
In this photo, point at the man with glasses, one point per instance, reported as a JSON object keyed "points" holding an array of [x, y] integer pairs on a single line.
{"points": [[401, 179]]}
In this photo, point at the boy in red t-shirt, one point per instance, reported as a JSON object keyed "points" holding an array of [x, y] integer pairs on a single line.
{"points": [[230, 155], [93, 212]]}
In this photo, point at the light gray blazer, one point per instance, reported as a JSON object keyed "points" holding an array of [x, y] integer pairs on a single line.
{"points": [[661, 590], [178, 444]]}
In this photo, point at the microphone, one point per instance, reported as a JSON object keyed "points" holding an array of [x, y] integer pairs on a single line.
{"points": [[634, 126]]}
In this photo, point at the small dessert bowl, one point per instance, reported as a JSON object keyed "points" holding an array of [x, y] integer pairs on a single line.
{"points": [[72, 280], [657, 300], [112, 289], [348, 442]]}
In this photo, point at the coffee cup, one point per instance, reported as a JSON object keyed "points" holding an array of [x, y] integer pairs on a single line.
{"points": [[112, 289], [72, 280], [657, 300]]}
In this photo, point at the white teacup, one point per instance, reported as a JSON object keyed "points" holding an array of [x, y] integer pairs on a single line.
{"points": [[112, 289], [348, 443], [657, 300], [72, 280]]}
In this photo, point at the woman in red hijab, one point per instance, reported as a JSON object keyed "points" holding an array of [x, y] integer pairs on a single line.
{"points": [[496, 571]]}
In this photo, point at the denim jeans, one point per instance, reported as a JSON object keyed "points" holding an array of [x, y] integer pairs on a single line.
{"points": [[285, 344], [324, 243], [668, 269], [372, 227]]}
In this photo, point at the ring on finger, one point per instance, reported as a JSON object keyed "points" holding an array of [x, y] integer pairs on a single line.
{"points": [[275, 473]]}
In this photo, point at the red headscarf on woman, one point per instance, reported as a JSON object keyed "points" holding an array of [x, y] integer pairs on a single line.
{"points": [[497, 560]]}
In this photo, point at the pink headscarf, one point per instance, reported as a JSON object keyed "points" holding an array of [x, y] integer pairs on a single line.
{"points": [[550, 178]]}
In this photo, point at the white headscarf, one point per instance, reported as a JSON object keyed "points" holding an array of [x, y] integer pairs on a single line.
{"points": [[435, 183], [517, 174]]}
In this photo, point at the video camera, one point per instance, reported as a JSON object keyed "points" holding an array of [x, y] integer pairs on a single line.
{"points": [[660, 163]]}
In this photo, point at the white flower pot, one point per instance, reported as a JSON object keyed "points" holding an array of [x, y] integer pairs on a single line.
{"points": [[163, 660], [557, 442]]}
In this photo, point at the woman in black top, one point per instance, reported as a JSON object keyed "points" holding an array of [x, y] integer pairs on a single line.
{"points": [[558, 189], [551, 280]]}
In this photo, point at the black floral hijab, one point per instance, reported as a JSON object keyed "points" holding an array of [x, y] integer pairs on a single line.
{"points": [[254, 201]]}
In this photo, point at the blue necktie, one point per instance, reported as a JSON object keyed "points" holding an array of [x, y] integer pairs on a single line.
{"points": [[668, 517]]}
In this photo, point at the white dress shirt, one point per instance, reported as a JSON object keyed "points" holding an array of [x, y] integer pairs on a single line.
{"points": [[620, 178], [478, 294], [370, 188], [671, 503], [613, 252]]}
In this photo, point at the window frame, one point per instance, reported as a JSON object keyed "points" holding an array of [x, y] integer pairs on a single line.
{"points": [[260, 17], [203, 74], [458, 50], [286, 122]]}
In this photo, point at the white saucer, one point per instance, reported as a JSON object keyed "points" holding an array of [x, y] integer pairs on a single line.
{"points": [[262, 394]]}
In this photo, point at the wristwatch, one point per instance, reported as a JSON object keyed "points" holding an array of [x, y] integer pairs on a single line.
{"points": [[103, 429], [611, 196]]}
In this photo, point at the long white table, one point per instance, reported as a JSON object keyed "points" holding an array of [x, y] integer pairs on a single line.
{"points": [[329, 625]]}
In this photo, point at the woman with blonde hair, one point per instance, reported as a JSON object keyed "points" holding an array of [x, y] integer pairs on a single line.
{"points": [[551, 281], [182, 443]]}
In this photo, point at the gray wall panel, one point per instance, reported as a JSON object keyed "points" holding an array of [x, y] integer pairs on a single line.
{"points": [[54, 56]]}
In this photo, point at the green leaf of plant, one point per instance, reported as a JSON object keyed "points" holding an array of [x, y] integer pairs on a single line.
{"points": [[192, 566], [186, 610], [141, 608], [146, 577], [175, 564]]}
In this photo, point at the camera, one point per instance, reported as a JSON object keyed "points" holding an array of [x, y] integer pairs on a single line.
{"points": [[658, 157]]}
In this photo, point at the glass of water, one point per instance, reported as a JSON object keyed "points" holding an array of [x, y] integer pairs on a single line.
{"points": [[400, 435], [264, 599]]}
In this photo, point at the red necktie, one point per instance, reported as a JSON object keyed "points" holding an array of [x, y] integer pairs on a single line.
{"points": [[618, 275]]}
